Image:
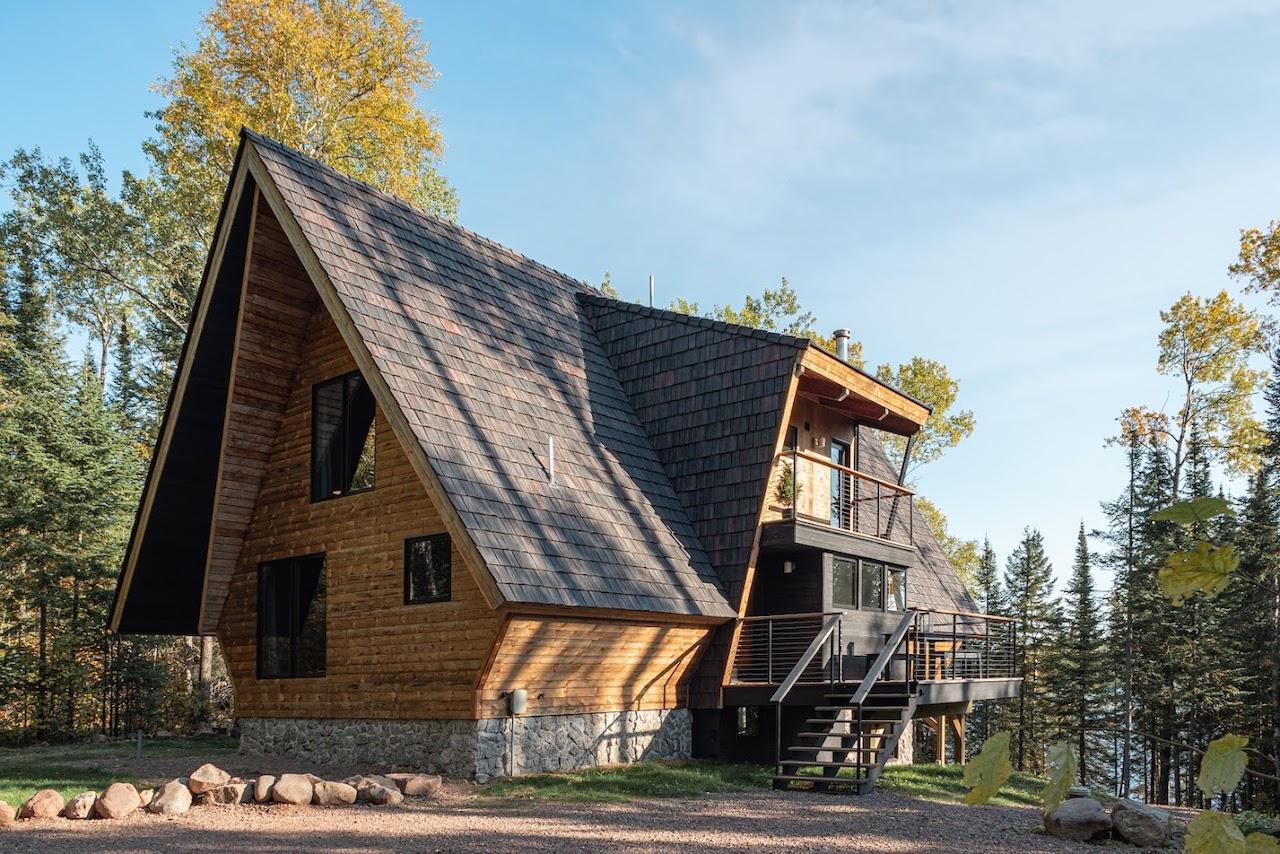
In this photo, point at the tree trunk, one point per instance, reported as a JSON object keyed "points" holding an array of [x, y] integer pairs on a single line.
{"points": [[206, 677]]}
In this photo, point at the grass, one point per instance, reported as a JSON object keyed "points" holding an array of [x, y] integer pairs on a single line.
{"points": [[70, 768], [644, 780], [946, 783]]}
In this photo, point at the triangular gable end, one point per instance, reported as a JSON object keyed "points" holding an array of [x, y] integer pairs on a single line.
{"points": [[249, 324]]}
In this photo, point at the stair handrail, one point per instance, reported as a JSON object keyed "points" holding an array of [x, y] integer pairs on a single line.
{"points": [[882, 660], [829, 626]]}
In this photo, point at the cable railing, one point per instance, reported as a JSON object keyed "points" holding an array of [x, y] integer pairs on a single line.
{"points": [[811, 489], [958, 645], [937, 645]]}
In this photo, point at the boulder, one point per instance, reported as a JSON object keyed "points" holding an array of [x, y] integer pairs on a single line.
{"points": [[207, 776], [330, 794], [1079, 792], [313, 778], [146, 795], [262, 788], [173, 798], [45, 803], [418, 785], [117, 801], [228, 795], [1141, 825], [8, 815], [1080, 819], [292, 789], [98, 737], [377, 789], [81, 806]]}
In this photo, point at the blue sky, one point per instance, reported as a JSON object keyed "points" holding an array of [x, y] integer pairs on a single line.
{"points": [[1014, 190]]}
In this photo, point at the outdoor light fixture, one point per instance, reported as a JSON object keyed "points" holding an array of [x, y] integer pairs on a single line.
{"points": [[519, 701], [787, 567]]}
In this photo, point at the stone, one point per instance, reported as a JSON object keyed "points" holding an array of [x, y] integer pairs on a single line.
{"points": [[117, 801], [313, 778], [418, 785], [45, 803], [228, 795], [262, 788], [81, 806], [1140, 824], [173, 798], [292, 789], [1081, 819], [8, 815], [98, 737], [146, 795], [377, 793], [1079, 792], [331, 794], [207, 776]]}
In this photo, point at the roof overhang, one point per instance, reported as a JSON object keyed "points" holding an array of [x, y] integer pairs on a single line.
{"points": [[838, 385]]}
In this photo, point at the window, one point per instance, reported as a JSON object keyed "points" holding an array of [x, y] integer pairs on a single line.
{"points": [[341, 437], [843, 589], [793, 438], [291, 616], [896, 587], [872, 589], [748, 721], [427, 569]]}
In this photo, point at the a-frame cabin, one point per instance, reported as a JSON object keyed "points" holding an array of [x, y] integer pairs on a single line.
{"points": [[446, 507]]}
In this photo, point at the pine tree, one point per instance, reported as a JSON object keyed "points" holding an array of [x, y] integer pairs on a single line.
{"points": [[985, 718], [1028, 581], [1080, 674]]}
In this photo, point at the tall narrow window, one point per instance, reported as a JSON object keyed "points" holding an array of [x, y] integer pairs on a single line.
{"points": [[844, 591], [342, 411], [291, 618], [872, 590], [427, 569], [896, 589]]}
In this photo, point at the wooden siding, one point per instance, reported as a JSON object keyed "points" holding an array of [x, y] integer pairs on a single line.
{"points": [[275, 310], [385, 659], [577, 665]]}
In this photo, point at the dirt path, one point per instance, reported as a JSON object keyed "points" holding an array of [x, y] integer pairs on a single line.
{"points": [[762, 821]]}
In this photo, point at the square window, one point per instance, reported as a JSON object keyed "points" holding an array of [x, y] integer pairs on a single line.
{"points": [[427, 569], [291, 618], [342, 437], [872, 588]]}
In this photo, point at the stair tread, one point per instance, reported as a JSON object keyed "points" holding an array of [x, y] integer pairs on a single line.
{"points": [[807, 763], [814, 734]]}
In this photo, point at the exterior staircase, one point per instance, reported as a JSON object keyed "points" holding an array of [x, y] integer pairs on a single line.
{"points": [[844, 748]]}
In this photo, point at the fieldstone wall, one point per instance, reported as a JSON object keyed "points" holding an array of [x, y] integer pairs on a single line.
{"points": [[479, 750]]}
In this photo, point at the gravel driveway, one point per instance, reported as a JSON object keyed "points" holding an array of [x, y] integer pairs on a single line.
{"points": [[763, 821]]}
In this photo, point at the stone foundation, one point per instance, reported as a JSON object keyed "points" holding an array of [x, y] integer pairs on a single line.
{"points": [[478, 750]]}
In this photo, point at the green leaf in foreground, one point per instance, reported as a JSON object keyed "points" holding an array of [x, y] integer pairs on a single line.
{"points": [[1206, 570], [1261, 843], [1223, 765], [1192, 511], [1062, 773], [1215, 833], [986, 772]]}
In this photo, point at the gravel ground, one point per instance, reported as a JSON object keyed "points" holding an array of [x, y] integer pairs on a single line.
{"points": [[762, 821]]}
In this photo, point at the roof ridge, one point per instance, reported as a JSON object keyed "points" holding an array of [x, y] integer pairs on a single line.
{"points": [[697, 320], [396, 200]]}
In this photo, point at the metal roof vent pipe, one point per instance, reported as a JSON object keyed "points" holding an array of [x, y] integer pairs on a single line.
{"points": [[842, 344]]}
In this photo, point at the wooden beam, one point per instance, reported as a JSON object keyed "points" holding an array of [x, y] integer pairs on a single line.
{"points": [[373, 376], [957, 730], [910, 414]]}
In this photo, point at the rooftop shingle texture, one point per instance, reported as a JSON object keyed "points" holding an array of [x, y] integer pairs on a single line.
{"points": [[489, 355]]}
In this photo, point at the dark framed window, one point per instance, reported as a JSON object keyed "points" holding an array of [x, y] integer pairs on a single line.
{"points": [[342, 440], [844, 589], [428, 569], [793, 438], [291, 618], [895, 588], [871, 590]]}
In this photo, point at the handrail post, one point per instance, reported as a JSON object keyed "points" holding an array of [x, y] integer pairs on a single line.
{"points": [[955, 648]]}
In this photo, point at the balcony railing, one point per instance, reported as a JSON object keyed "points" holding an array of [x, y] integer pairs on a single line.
{"points": [[808, 488], [938, 646]]}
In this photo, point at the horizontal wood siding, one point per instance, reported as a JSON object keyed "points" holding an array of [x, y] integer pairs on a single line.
{"points": [[572, 665], [276, 308], [385, 659]]}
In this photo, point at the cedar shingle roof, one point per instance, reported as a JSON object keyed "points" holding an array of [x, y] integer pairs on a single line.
{"points": [[488, 355]]}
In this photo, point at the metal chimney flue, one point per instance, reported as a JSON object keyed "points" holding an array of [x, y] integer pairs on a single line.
{"points": [[842, 344]]}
